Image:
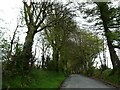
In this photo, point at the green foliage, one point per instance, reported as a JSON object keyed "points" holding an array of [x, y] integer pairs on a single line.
{"points": [[114, 78], [36, 79], [80, 52], [107, 76], [116, 35], [90, 71], [97, 73], [106, 17], [59, 32], [44, 79], [4, 48], [50, 65], [11, 62]]}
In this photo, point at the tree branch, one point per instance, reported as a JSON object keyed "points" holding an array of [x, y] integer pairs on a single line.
{"points": [[43, 28], [11, 44], [117, 47], [25, 12], [38, 16]]}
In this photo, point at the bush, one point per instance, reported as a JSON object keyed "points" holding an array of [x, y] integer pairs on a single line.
{"points": [[114, 78], [107, 76], [97, 73]]}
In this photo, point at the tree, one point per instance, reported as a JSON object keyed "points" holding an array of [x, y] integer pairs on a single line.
{"points": [[35, 14], [104, 19], [105, 16], [80, 51], [61, 28]]}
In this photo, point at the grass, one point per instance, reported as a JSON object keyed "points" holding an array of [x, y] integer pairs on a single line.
{"points": [[36, 79], [113, 78]]}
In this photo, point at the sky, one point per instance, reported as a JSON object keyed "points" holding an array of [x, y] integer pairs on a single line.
{"points": [[10, 11]]}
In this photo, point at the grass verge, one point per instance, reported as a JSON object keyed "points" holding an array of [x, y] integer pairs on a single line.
{"points": [[36, 79], [106, 77]]}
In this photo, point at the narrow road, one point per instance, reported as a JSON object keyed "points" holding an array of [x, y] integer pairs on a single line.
{"points": [[79, 81]]}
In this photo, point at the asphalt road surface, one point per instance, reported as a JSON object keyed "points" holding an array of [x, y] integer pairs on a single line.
{"points": [[78, 81]]}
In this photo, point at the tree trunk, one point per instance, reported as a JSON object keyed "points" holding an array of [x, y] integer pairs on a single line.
{"points": [[43, 61], [113, 55], [27, 49], [104, 11], [57, 61], [56, 58]]}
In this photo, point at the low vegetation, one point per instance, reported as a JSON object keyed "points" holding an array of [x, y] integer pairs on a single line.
{"points": [[36, 79], [107, 76]]}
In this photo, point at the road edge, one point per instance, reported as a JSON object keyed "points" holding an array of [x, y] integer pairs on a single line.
{"points": [[59, 87], [98, 79], [107, 82]]}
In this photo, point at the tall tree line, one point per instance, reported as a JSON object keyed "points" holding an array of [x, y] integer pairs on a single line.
{"points": [[73, 49], [107, 19]]}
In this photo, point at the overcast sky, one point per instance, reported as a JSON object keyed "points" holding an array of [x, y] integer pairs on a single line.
{"points": [[10, 11]]}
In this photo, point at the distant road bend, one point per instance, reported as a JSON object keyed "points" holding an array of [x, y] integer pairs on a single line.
{"points": [[79, 81]]}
